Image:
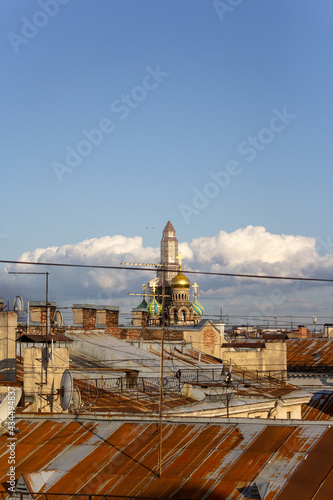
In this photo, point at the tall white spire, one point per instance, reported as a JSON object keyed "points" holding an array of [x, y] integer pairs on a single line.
{"points": [[169, 251]]}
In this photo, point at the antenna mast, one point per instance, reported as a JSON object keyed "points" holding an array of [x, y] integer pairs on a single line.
{"points": [[163, 268]]}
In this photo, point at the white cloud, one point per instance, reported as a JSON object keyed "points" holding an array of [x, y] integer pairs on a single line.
{"points": [[252, 245], [250, 250]]}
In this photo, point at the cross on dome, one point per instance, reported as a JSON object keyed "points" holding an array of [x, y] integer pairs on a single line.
{"points": [[180, 259]]}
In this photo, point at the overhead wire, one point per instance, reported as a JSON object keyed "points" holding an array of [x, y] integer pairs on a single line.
{"points": [[133, 268]]}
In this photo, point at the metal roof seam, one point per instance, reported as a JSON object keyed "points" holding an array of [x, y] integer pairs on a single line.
{"points": [[275, 466], [212, 450], [301, 462], [119, 453], [239, 452], [149, 450]]}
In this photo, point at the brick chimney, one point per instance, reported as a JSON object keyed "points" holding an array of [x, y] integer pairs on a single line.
{"points": [[101, 316], [302, 332], [38, 312], [112, 319], [84, 315], [140, 317]]}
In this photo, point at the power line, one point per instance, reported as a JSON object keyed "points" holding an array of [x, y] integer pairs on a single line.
{"points": [[124, 268]]}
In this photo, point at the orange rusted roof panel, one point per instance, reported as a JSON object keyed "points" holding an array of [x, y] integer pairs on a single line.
{"points": [[315, 354], [162, 487], [200, 460], [228, 450], [326, 489], [312, 472], [196, 489], [320, 407]]}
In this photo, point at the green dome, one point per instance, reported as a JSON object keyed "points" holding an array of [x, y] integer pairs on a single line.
{"points": [[154, 308], [143, 304], [197, 308]]}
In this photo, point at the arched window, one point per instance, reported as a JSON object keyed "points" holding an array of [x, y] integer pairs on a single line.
{"points": [[183, 316]]}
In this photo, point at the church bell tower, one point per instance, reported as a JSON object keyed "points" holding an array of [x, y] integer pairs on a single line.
{"points": [[169, 252]]}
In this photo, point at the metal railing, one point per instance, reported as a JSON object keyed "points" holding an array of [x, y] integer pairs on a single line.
{"points": [[202, 375], [199, 376], [92, 389]]}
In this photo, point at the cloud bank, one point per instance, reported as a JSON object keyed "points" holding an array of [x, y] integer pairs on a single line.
{"points": [[250, 250]]}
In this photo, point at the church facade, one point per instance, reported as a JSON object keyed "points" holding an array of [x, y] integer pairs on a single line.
{"points": [[178, 307]]}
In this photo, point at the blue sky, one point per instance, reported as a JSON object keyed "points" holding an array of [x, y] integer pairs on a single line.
{"points": [[221, 75]]}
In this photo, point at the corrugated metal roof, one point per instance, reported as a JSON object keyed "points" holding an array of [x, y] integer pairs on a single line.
{"points": [[199, 460]]}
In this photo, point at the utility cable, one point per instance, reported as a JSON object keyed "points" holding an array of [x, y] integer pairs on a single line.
{"points": [[208, 273]]}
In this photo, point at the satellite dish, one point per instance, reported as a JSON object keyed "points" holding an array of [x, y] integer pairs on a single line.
{"points": [[18, 305], [66, 389], [58, 319], [75, 404], [4, 410]]}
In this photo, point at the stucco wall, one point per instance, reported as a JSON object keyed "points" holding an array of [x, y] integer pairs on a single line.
{"points": [[207, 340], [8, 325], [271, 358], [42, 377]]}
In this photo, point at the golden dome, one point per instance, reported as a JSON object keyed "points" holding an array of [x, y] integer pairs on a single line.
{"points": [[180, 281]]}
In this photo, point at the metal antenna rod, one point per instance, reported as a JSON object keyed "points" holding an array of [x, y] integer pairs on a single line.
{"points": [[163, 268], [161, 376]]}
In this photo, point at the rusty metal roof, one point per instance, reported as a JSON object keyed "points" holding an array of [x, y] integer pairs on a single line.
{"points": [[320, 407], [274, 336], [310, 354], [200, 461]]}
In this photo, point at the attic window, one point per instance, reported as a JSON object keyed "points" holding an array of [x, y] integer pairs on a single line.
{"points": [[258, 490]]}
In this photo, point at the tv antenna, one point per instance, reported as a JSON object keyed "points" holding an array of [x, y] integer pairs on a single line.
{"points": [[65, 391], [228, 382], [163, 268]]}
